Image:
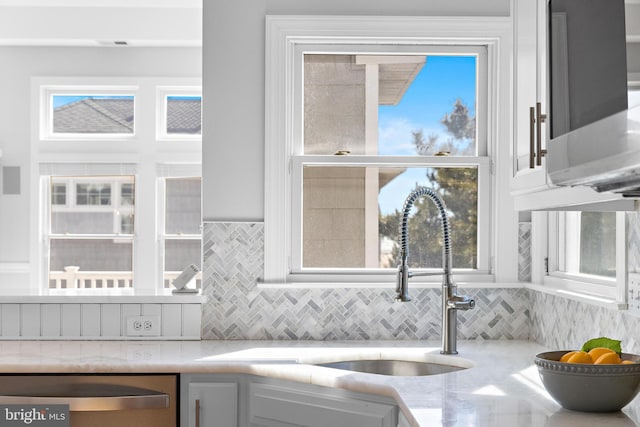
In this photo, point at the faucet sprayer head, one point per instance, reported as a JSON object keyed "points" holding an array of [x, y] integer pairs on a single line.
{"points": [[402, 288]]}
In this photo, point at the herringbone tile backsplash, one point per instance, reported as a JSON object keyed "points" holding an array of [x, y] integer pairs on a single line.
{"points": [[238, 309]]}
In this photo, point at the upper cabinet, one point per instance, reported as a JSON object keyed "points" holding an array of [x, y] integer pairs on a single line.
{"points": [[529, 144], [530, 184]]}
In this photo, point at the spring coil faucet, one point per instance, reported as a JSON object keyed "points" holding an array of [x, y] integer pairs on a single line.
{"points": [[451, 302]]}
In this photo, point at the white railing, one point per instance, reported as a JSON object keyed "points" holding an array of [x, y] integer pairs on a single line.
{"points": [[73, 278]]}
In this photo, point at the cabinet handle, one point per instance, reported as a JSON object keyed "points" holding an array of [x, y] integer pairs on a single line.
{"points": [[197, 412], [540, 118], [532, 144], [93, 398]]}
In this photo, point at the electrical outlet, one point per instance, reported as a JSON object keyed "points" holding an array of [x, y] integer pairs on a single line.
{"points": [[147, 326], [633, 293]]}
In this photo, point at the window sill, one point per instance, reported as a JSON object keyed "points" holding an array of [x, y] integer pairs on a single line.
{"points": [[388, 282], [562, 288], [99, 296]]}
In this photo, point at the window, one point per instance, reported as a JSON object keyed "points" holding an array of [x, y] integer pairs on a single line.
{"points": [[180, 115], [376, 105], [365, 123], [101, 174], [91, 239], [182, 227], [587, 254], [179, 107], [588, 244], [75, 112]]}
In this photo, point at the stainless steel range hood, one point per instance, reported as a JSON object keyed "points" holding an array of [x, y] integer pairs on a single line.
{"points": [[604, 155]]}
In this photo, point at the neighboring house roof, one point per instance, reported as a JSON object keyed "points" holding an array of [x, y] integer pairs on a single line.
{"points": [[109, 115], [94, 116], [184, 116]]}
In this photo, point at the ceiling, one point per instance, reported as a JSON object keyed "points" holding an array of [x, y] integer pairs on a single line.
{"points": [[100, 23], [197, 4]]}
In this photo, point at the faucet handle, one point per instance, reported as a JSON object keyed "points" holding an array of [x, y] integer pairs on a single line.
{"points": [[461, 302]]}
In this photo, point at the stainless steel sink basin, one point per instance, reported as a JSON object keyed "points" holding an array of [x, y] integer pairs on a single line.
{"points": [[393, 367]]}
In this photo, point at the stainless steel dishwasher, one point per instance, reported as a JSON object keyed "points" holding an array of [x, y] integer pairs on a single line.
{"points": [[99, 400]]}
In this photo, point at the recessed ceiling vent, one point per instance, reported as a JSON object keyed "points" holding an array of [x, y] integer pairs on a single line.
{"points": [[113, 43]]}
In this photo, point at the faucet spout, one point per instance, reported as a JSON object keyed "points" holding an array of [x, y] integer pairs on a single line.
{"points": [[451, 301]]}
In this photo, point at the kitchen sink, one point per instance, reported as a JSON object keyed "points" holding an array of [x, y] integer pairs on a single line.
{"points": [[393, 367]]}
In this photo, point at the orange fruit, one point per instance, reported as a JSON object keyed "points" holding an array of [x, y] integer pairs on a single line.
{"points": [[595, 353], [608, 359], [627, 362], [565, 357], [580, 357]]}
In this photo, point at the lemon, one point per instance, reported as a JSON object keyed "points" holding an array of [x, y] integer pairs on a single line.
{"points": [[608, 359], [595, 353], [580, 357]]}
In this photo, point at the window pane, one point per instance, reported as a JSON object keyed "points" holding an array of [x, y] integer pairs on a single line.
{"points": [[93, 210], [184, 115], [183, 206], [93, 114], [59, 194], [91, 263], [351, 216], [126, 194], [425, 105], [93, 194], [598, 243], [82, 222], [180, 253]]}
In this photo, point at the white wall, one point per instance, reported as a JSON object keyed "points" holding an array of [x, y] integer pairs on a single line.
{"points": [[233, 81], [19, 65]]}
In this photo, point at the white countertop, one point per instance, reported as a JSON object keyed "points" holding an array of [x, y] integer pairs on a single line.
{"points": [[500, 388]]}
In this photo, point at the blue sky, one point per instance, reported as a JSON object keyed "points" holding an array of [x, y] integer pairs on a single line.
{"points": [[442, 81], [59, 100]]}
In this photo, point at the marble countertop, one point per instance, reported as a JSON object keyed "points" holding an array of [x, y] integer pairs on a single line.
{"points": [[501, 386]]}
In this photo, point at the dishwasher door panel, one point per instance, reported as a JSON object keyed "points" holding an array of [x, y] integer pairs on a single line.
{"points": [[99, 400]]}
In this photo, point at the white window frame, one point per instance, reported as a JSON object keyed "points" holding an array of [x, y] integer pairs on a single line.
{"points": [[286, 37], [140, 155], [161, 113], [593, 289]]}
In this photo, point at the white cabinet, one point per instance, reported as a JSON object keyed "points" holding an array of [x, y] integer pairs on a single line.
{"points": [[530, 97], [230, 400], [530, 187], [293, 405], [209, 401]]}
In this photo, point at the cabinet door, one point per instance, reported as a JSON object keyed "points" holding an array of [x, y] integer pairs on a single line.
{"points": [[277, 406], [530, 86], [212, 405]]}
